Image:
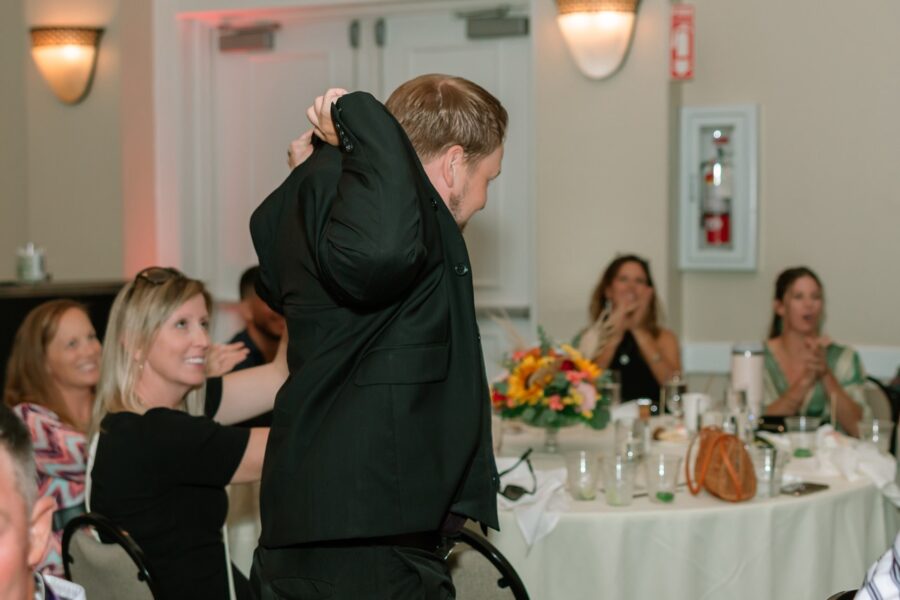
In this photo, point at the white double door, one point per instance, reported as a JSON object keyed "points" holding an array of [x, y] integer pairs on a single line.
{"points": [[258, 105]]}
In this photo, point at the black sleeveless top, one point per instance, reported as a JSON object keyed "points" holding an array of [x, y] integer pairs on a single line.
{"points": [[634, 372]]}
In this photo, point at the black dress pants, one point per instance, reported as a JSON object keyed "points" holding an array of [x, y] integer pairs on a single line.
{"points": [[372, 572]]}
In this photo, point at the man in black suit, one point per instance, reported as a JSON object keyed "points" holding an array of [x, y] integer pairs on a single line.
{"points": [[380, 445]]}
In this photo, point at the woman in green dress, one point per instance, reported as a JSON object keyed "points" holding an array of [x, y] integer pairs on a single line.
{"points": [[806, 373]]}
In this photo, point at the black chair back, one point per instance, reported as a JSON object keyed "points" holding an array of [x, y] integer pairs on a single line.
{"points": [[112, 568], [894, 398], [488, 576]]}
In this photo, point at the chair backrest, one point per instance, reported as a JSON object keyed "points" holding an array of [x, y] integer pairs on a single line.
{"points": [[878, 394], [481, 572], [111, 570], [878, 400]]}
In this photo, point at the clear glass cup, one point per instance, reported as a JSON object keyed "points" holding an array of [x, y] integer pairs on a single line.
{"points": [[672, 393], [611, 386], [661, 471], [582, 469], [802, 434], [768, 464], [618, 480], [631, 438], [877, 432]]}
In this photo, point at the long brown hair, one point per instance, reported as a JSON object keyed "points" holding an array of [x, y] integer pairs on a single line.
{"points": [[784, 282], [26, 371], [599, 298]]}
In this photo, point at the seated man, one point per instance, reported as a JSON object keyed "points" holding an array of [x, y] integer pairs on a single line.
{"points": [[25, 520], [261, 334]]}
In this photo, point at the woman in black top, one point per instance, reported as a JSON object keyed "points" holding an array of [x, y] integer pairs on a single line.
{"points": [[625, 334], [160, 472]]}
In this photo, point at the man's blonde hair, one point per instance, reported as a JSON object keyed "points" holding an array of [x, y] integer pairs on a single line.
{"points": [[440, 111], [138, 312]]}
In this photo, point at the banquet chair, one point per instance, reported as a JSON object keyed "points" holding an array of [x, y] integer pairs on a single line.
{"points": [[111, 570], [884, 404], [481, 572]]}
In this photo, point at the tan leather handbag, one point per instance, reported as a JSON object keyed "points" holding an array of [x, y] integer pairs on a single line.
{"points": [[722, 466]]}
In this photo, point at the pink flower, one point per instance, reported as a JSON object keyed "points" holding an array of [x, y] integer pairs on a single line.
{"points": [[574, 376], [555, 402], [588, 394]]}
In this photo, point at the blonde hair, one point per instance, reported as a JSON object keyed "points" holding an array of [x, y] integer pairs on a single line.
{"points": [[26, 371], [440, 111], [138, 312]]}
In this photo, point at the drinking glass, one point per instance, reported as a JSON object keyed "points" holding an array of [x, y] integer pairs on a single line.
{"points": [[611, 386], [661, 471], [672, 394], [630, 436], [802, 433], [877, 432], [694, 406], [768, 463], [582, 469], [618, 480]]}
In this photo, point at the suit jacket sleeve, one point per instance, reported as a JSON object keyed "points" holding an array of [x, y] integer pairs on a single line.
{"points": [[371, 250]]}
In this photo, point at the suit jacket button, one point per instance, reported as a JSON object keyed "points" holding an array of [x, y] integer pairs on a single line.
{"points": [[461, 268], [348, 146], [434, 203]]}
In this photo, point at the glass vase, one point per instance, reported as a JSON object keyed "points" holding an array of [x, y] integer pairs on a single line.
{"points": [[551, 440]]}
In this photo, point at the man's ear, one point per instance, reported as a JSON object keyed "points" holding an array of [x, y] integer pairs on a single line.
{"points": [[39, 529], [245, 311], [451, 164]]}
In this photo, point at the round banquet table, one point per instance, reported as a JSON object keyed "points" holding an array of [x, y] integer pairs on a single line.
{"points": [[697, 547]]}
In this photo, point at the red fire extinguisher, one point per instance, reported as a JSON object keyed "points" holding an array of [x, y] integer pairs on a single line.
{"points": [[717, 191]]}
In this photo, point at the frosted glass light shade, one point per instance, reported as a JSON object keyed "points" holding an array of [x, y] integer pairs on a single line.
{"points": [[597, 38], [66, 58]]}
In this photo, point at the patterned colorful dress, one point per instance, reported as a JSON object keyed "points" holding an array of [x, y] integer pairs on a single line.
{"points": [[845, 365], [61, 455]]}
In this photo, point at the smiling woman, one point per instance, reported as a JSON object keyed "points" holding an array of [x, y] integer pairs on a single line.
{"points": [[161, 469], [806, 373], [51, 374]]}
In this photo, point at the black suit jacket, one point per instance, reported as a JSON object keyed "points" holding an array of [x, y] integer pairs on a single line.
{"points": [[383, 426]]}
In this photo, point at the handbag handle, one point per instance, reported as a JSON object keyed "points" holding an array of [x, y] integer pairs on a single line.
{"points": [[718, 442]]}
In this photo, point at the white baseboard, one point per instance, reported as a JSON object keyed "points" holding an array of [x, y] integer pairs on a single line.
{"points": [[715, 357]]}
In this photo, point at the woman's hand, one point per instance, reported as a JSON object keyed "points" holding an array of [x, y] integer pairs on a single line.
{"points": [[640, 308], [222, 358]]}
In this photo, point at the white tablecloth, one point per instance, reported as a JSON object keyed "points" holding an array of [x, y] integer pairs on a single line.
{"points": [[699, 547]]}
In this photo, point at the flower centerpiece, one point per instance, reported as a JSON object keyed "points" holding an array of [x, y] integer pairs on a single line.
{"points": [[550, 386]]}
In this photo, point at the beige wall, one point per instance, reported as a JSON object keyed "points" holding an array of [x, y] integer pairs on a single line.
{"points": [[602, 160], [825, 78], [13, 135], [74, 200]]}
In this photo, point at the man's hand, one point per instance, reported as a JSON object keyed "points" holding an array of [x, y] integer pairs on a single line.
{"points": [[319, 115], [300, 149]]}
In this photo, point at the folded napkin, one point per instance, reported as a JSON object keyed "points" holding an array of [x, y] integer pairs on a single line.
{"points": [[625, 410], [536, 514], [840, 456]]}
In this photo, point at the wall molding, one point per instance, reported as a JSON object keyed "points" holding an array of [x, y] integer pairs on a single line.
{"points": [[715, 357]]}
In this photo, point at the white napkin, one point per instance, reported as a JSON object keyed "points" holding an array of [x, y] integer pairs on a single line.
{"points": [[536, 514], [838, 455], [625, 410]]}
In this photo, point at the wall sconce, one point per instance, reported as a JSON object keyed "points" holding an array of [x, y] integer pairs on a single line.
{"points": [[66, 58], [598, 33]]}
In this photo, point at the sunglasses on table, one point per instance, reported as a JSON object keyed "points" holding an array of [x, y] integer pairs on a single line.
{"points": [[513, 492]]}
